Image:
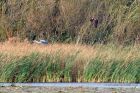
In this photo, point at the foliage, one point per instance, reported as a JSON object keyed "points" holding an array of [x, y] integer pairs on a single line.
{"points": [[68, 20], [70, 63]]}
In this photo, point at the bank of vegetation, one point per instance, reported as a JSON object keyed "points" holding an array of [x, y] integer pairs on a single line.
{"points": [[69, 20], [77, 51], [69, 63]]}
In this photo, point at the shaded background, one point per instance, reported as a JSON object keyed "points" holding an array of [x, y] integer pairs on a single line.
{"points": [[69, 20]]}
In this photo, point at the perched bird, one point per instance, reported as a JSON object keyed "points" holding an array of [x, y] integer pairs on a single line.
{"points": [[94, 22]]}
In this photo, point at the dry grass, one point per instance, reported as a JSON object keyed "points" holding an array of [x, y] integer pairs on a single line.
{"points": [[105, 52], [109, 63], [118, 21]]}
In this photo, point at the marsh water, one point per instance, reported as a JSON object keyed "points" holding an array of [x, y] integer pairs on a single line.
{"points": [[89, 85], [69, 88]]}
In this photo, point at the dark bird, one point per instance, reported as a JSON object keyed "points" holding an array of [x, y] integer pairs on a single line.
{"points": [[94, 22], [31, 36]]}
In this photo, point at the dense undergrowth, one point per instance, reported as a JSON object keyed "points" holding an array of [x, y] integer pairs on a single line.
{"points": [[69, 20], [77, 64]]}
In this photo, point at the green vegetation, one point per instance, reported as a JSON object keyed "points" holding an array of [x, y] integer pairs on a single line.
{"points": [[68, 20], [72, 67], [113, 57], [114, 71]]}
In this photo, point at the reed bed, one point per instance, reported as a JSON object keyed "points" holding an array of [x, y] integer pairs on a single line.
{"points": [[22, 62]]}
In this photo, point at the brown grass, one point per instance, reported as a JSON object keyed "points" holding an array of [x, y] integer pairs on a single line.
{"points": [[118, 22], [105, 52], [66, 58]]}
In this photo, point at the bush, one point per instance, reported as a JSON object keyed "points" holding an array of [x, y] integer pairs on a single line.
{"points": [[68, 20]]}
